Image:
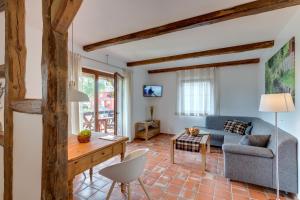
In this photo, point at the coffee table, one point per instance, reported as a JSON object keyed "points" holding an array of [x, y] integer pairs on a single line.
{"points": [[200, 143]]}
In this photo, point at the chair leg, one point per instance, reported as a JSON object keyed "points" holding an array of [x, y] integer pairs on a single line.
{"points": [[143, 186], [110, 190], [129, 194]]}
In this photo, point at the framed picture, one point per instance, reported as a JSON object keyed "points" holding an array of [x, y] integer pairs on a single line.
{"points": [[280, 71]]}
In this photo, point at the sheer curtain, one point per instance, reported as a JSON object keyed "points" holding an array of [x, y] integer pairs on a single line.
{"points": [[127, 104], [73, 107], [197, 92]]}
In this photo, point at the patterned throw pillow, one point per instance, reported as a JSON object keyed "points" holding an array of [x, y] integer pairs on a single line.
{"points": [[229, 126], [240, 127]]}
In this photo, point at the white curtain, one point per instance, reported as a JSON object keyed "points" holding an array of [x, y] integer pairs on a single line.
{"points": [[73, 107], [197, 92], [127, 104]]}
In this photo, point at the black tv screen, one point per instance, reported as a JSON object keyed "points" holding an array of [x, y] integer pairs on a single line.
{"points": [[152, 90]]}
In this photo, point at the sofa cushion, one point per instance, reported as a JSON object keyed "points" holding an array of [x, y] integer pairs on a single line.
{"points": [[248, 130], [232, 139], [247, 150], [229, 126], [240, 127], [217, 122], [255, 140]]}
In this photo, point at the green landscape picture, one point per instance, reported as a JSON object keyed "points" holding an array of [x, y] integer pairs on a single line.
{"points": [[280, 71]]}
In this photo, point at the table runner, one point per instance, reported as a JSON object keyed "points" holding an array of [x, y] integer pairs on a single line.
{"points": [[188, 142]]}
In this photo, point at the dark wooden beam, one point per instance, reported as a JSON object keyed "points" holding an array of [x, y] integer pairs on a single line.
{"points": [[252, 8], [54, 103], [2, 5], [98, 73], [29, 106], [1, 138], [63, 13], [15, 62], [212, 52], [220, 64], [2, 71]]}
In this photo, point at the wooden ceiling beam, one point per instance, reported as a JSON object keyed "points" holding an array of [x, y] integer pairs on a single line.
{"points": [[251, 8], [212, 52], [63, 13], [219, 64]]}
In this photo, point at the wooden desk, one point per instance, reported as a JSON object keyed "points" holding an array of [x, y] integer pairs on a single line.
{"points": [[82, 157]]}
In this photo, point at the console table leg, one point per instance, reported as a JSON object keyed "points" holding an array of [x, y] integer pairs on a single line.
{"points": [[203, 157], [172, 151], [123, 188]]}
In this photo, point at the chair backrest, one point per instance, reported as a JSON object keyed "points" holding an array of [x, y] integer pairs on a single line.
{"points": [[130, 169]]}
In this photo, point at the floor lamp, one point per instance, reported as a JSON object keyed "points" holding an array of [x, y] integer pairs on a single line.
{"points": [[276, 103]]}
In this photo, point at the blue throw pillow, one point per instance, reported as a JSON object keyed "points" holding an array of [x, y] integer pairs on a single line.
{"points": [[255, 140], [248, 130]]}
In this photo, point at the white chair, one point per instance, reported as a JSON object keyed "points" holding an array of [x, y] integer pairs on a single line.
{"points": [[130, 169]]}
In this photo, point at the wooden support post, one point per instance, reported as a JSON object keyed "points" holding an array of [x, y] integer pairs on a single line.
{"points": [[54, 101], [15, 62], [54, 108]]}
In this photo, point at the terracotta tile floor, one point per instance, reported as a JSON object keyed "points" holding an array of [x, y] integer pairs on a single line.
{"points": [[181, 181]]}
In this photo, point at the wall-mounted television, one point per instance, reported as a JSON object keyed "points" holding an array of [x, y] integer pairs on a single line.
{"points": [[152, 90]]}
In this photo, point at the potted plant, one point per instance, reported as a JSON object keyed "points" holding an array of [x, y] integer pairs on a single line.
{"points": [[84, 136]]}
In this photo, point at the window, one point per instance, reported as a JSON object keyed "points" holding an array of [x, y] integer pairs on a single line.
{"points": [[195, 92]]}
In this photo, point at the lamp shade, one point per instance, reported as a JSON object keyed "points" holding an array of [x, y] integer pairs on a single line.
{"points": [[282, 102], [77, 96]]}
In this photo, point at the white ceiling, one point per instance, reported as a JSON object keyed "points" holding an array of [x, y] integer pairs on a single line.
{"points": [[104, 19]]}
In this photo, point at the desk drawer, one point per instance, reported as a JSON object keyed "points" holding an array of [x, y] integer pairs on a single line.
{"points": [[79, 166], [102, 155]]}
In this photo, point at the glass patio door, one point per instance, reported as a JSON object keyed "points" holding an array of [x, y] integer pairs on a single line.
{"points": [[118, 111], [87, 109], [105, 104], [104, 111]]}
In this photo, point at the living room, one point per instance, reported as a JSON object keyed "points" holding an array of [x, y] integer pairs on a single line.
{"points": [[179, 68]]}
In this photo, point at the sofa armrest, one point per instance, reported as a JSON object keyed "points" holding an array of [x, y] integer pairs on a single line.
{"points": [[247, 150]]}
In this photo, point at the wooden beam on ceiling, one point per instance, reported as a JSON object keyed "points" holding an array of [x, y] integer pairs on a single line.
{"points": [[63, 13], [212, 52], [251, 8], [2, 5], [219, 64]]}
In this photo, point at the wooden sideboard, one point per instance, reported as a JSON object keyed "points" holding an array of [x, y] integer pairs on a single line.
{"points": [[147, 129]]}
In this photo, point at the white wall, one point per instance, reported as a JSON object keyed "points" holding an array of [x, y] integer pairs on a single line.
{"points": [[289, 122], [139, 103], [237, 90]]}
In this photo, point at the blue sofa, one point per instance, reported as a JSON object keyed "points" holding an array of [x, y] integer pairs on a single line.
{"points": [[256, 165]]}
